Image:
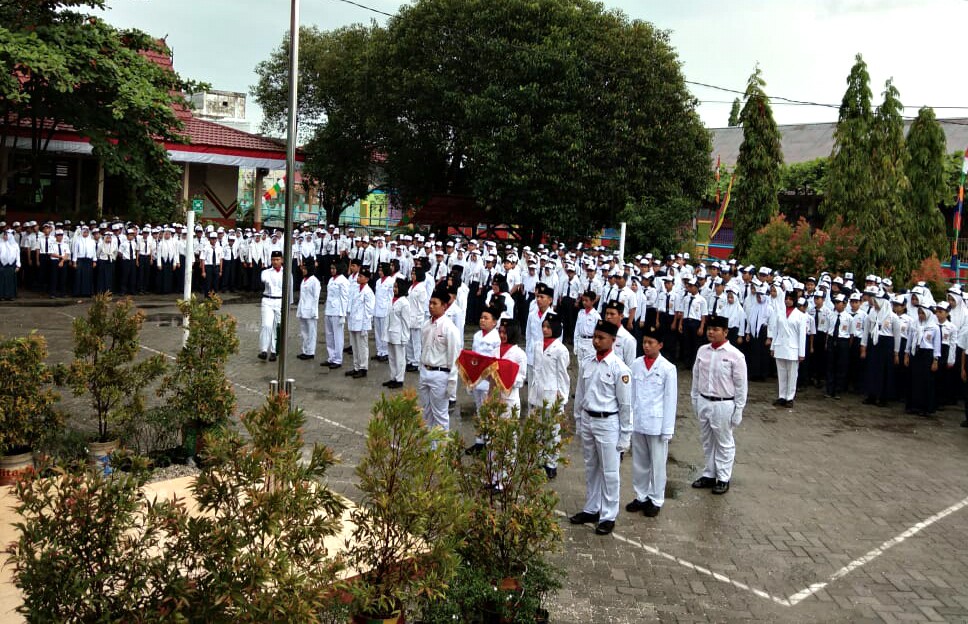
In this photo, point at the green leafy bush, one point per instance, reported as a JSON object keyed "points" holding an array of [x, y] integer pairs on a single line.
{"points": [[411, 516], [27, 412]]}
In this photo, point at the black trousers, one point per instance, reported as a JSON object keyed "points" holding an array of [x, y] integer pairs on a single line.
{"points": [[670, 339], [568, 314], [105, 277], [818, 373], [880, 368], [690, 341], [922, 382], [166, 277], [8, 281], [144, 273], [129, 277], [211, 279], [58, 278], [758, 358], [838, 357], [84, 278]]}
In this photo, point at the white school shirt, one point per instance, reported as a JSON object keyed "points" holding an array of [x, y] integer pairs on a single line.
{"points": [[337, 296], [654, 397], [308, 298], [550, 381]]}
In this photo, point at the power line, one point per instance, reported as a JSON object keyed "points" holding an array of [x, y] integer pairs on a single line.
{"points": [[363, 6]]}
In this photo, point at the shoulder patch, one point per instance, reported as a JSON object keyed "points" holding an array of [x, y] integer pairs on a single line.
{"points": [[625, 379]]}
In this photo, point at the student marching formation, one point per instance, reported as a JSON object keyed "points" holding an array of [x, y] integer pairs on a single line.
{"points": [[631, 327]]}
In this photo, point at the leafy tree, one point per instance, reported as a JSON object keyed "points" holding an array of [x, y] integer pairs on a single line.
{"points": [[929, 186], [95, 549], [256, 551], [885, 221], [758, 166], [552, 114], [810, 175], [62, 67], [734, 113], [106, 345], [199, 391], [336, 94], [657, 228], [850, 178], [772, 243]]}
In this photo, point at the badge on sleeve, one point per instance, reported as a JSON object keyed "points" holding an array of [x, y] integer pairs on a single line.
{"points": [[625, 379]]}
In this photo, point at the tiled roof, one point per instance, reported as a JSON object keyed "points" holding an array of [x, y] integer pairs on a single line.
{"points": [[805, 142], [203, 132]]}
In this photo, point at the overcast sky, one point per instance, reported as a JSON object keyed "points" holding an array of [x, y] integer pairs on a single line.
{"points": [[805, 49]]}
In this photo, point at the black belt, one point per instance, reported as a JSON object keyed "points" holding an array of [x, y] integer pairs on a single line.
{"points": [[716, 399], [589, 337], [437, 368], [600, 414], [270, 297]]}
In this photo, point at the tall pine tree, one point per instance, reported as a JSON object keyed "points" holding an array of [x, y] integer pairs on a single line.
{"points": [[885, 220], [757, 167], [850, 181], [926, 175], [734, 113]]}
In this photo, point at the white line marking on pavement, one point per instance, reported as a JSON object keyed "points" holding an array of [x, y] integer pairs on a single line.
{"points": [[873, 554], [686, 564]]}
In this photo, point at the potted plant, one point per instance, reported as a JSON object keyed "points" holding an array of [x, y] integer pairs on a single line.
{"points": [[198, 392], [260, 548], [27, 413], [106, 347], [512, 524], [410, 517]]}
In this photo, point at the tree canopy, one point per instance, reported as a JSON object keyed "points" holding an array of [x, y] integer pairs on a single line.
{"points": [[757, 167], [929, 187], [62, 67], [554, 115]]}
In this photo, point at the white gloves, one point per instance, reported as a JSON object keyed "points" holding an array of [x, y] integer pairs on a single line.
{"points": [[736, 418], [624, 442], [666, 437]]}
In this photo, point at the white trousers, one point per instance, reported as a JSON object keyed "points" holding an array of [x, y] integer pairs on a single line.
{"points": [[786, 374], [414, 347], [649, 455], [398, 361], [307, 331], [716, 435], [599, 437], [361, 349], [432, 392], [334, 338], [583, 349], [271, 317], [380, 324]]}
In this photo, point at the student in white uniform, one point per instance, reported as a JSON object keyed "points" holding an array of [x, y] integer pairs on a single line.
{"points": [[585, 323], [603, 422], [487, 342], [787, 331], [418, 311], [551, 381], [271, 307], [440, 346], [360, 323], [383, 292], [398, 332], [337, 306], [655, 394], [308, 311]]}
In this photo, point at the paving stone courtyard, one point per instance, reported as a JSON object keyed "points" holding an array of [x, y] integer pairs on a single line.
{"points": [[838, 512]]}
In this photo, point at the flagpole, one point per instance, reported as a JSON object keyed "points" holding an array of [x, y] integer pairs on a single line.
{"points": [[290, 195]]}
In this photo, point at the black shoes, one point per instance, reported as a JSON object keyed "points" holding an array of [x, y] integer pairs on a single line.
{"points": [[333, 365], [604, 527], [272, 357], [582, 517], [350, 373], [651, 511], [381, 358], [783, 403], [869, 401], [451, 404], [476, 448], [263, 355], [721, 487], [348, 350], [551, 473], [393, 384], [704, 482], [358, 374], [305, 356], [411, 368], [637, 505]]}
